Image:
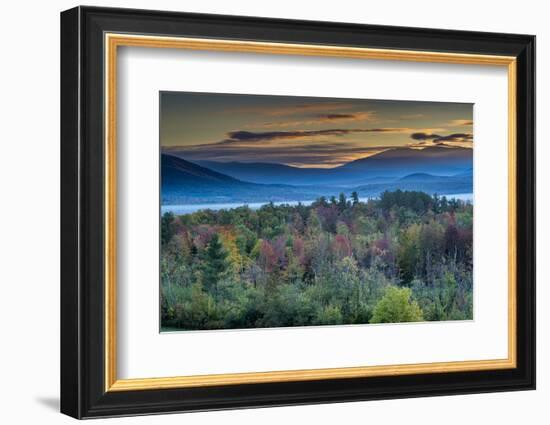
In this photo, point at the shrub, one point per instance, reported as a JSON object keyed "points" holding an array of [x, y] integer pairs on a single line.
{"points": [[396, 306]]}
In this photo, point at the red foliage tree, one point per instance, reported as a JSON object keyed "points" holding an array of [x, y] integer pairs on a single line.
{"points": [[341, 247], [267, 258], [298, 250], [279, 248]]}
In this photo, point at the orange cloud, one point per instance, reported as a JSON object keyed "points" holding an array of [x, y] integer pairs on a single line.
{"points": [[460, 123], [411, 116]]}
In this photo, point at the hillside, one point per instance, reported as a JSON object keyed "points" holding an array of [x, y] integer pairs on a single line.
{"points": [[177, 172], [184, 182], [404, 161], [385, 166]]}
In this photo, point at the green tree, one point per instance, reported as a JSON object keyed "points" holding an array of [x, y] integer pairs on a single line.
{"points": [[408, 253], [342, 202], [167, 227], [355, 197], [347, 287], [329, 315], [215, 264], [246, 239], [396, 306], [313, 223]]}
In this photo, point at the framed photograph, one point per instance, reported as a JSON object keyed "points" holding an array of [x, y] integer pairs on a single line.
{"points": [[261, 212]]}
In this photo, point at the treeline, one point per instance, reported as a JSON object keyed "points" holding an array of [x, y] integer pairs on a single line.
{"points": [[406, 256]]}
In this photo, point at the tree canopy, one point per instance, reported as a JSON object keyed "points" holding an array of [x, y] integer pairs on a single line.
{"points": [[406, 256]]}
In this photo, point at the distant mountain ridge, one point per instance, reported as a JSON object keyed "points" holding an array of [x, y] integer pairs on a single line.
{"points": [[178, 172], [403, 157], [260, 172], [389, 164], [185, 182], [421, 176]]}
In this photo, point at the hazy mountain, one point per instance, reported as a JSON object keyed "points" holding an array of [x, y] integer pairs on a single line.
{"points": [[422, 182], [177, 172], [260, 172], [467, 172], [421, 177], [385, 166], [403, 161], [183, 182]]}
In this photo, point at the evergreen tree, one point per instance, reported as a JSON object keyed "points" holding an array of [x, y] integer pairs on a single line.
{"points": [[167, 228], [355, 197], [215, 264], [342, 202]]}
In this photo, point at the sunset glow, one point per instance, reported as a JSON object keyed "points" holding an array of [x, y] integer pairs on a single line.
{"points": [[304, 132]]}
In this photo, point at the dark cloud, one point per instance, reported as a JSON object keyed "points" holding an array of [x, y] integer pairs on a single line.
{"points": [[424, 136], [251, 136], [319, 119], [240, 136], [455, 137], [337, 116], [436, 138]]}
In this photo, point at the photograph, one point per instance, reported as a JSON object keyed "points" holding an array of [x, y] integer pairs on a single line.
{"points": [[286, 211]]}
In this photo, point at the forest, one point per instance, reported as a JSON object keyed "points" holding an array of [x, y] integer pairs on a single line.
{"points": [[405, 256]]}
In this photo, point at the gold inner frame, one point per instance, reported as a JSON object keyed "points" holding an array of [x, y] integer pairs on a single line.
{"points": [[113, 41]]}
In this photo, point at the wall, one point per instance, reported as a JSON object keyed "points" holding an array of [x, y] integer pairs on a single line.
{"points": [[29, 224]]}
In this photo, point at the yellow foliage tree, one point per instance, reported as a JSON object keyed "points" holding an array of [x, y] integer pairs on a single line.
{"points": [[229, 242]]}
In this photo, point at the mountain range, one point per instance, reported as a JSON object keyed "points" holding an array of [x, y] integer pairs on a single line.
{"points": [[434, 170], [183, 182], [391, 163]]}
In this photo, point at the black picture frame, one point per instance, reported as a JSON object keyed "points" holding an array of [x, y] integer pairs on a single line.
{"points": [[83, 392]]}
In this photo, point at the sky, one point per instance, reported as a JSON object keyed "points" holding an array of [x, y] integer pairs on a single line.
{"points": [[304, 131]]}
